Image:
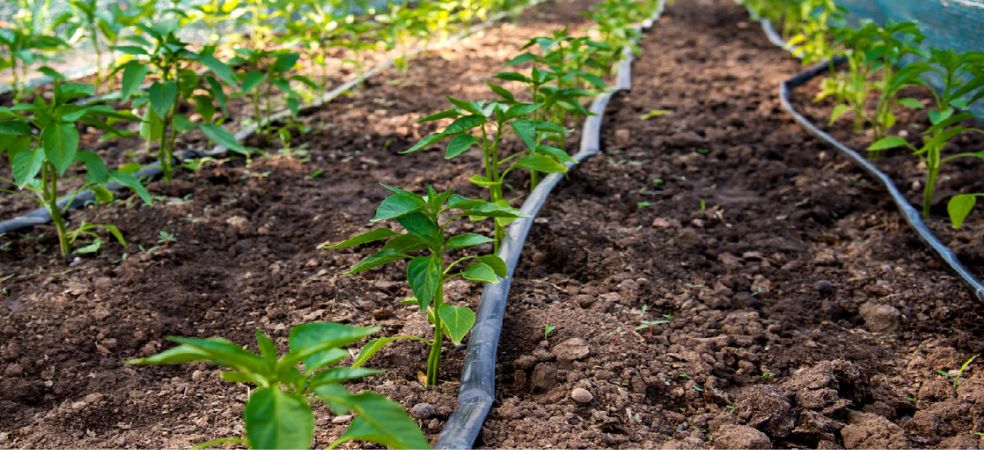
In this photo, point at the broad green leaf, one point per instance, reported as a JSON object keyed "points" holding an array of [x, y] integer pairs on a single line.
{"points": [[911, 103], [463, 124], [26, 165], [424, 277], [467, 240], [225, 353], [480, 271], [838, 112], [520, 110], [888, 142], [486, 209], [286, 61], [397, 205], [541, 163], [134, 74], [460, 144], [427, 141], [268, 349], [512, 76], [220, 136], [371, 348], [378, 234], [526, 130], [959, 207], [277, 420], [133, 183], [15, 127], [162, 97], [335, 396], [130, 50], [935, 116], [61, 141], [381, 421], [342, 375], [405, 243], [96, 170], [311, 341], [420, 225], [252, 79], [457, 321], [556, 153], [446, 114], [382, 257], [219, 68], [502, 92], [496, 263], [469, 105]]}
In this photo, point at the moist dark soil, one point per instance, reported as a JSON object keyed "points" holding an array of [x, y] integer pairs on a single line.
{"points": [[716, 278]]}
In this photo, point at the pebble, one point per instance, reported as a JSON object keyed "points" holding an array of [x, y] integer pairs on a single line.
{"points": [[423, 411], [341, 419], [571, 350], [581, 396], [825, 288], [544, 376]]}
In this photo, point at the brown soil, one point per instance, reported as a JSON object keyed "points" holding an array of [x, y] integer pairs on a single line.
{"points": [[801, 310]]}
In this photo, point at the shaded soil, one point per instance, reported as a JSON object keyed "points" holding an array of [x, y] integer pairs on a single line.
{"points": [[760, 292]]}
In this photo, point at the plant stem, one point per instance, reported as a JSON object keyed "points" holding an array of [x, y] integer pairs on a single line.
{"points": [[163, 152], [434, 359], [932, 171], [49, 189]]}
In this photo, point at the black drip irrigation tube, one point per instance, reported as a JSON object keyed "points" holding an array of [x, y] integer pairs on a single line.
{"points": [[477, 391], [41, 216], [909, 213]]}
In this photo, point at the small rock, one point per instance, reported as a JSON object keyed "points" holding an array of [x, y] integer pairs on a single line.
{"points": [[825, 288], [571, 350], [740, 436], [622, 135], [341, 419], [544, 376], [240, 224], [880, 318], [13, 370], [197, 375], [581, 396], [524, 362], [423, 411], [93, 397]]}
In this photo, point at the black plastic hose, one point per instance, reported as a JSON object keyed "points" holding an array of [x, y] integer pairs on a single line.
{"points": [[477, 392], [909, 213]]}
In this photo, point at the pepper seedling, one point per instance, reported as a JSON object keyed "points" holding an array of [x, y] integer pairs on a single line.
{"points": [[278, 414], [492, 121], [23, 44], [169, 61], [429, 249], [41, 141], [962, 85], [262, 71]]}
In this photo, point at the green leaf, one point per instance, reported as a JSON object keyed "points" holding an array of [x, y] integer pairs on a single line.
{"points": [[526, 130], [335, 396], [502, 92], [162, 97], [61, 141], [496, 263], [446, 114], [177, 355], [378, 234], [220, 136], [225, 353], [424, 276], [460, 144], [420, 225], [959, 208], [911, 103], [130, 50], [219, 68], [26, 165], [96, 170], [371, 348], [427, 141], [467, 240], [486, 209], [558, 154], [382, 421], [654, 113], [15, 128], [481, 272], [133, 183], [382, 257], [397, 205], [457, 321], [463, 124], [838, 112], [134, 74], [252, 80], [469, 106], [405, 243], [541, 163], [888, 142], [342, 375], [936, 117], [277, 420], [316, 343]]}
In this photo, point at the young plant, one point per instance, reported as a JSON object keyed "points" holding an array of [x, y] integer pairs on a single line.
{"points": [[962, 85], [492, 121], [22, 44], [262, 71], [41, 140], [434, 259], [959, 207], [171, 64], [278, 414]]}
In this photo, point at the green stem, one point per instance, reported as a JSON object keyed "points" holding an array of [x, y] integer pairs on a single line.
{"points": [[930, 188], [49, 186], [434, 359], [163, 152]]}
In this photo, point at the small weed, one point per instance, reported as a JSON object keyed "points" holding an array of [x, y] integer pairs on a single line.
{"points": [[767, 374], [643, 204], [548, 330], [954, 375], [652, 114]]}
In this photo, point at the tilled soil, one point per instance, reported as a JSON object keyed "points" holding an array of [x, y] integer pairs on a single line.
{"points": [[716, 278], [720, 279]]}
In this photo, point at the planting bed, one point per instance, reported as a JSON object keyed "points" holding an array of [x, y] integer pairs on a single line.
{"points": [[798, 302]]}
